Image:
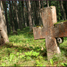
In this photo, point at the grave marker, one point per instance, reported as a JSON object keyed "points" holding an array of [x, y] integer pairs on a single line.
{"points": [[49, 31]]}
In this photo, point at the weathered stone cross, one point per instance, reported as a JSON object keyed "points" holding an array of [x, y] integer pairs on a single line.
{"points": [[49, 31]]}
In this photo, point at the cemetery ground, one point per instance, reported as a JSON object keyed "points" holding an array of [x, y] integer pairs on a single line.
{"points": [[23, 50]]}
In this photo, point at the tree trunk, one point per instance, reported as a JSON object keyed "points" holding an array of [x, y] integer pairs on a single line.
{"points": [[33, 10], [23, 14], [39, 17], [3, 27], [29, 15], [66, 8], [37, 13], [26, 12], [5, 7], [42, 3], [16, 10], [15, 25], [11, 17], [20, 15], [62, 10], [47, 2]]}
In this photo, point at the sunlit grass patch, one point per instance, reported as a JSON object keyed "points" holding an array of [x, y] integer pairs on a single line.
{"points": [[23, 50]]}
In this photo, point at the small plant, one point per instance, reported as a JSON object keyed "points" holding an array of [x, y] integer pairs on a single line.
{"points": [[39, 63], [29, 55], [32, 54], [51, 61], [22, 56], [11, 57], [64, 64], [3, 64]]}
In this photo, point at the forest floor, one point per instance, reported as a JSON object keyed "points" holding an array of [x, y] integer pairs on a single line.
{"points": [[25, 51]]}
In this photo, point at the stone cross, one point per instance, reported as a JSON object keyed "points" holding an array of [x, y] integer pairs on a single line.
{"points": [[50, 31]]}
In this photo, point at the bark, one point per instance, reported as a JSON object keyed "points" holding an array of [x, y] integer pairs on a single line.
{"points": [[23, 14], [15, 25], [42, 3], [26, 14], [3, 17], [39, 7], [16, 10], [29, 15], [33, 10], [20, 16], [39, 3], [66, 5], [5, 7], [37, 13], [11, 17], [62, 10], [47, 2], [3, 27]]}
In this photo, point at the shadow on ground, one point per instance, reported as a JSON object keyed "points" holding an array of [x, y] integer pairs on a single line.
{"points": [[37, 49], [25, 49]]}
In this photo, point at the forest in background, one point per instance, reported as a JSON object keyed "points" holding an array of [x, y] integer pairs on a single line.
{"points": [[21, 14]]}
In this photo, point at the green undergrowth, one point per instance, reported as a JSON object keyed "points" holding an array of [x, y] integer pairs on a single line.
{"points": [[23, 50]]}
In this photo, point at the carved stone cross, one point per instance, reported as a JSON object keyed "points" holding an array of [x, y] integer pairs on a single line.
{"points": [[49, 31]]}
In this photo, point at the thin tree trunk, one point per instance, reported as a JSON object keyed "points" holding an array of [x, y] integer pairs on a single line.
{"points": [[66, 8], [27, 20], [39, 7], [23, 14], [29, 15], [62, 10], [37, 13], [47, 2], [33, 10], [20, 16], [16, 10], [42, 3], [11, 17], [14, 17]]}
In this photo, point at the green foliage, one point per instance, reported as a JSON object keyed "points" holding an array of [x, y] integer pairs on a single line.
{"points": [[64, 64], [11, 57], [32, 53], [29, 55], [39, 63], [26, 51], [51, 61]]}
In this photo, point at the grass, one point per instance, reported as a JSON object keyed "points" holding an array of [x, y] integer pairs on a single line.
{"points": [[23, 50]]}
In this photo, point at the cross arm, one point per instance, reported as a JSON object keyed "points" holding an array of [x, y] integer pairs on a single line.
{"points": [[60, 30], [38, 32]]}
